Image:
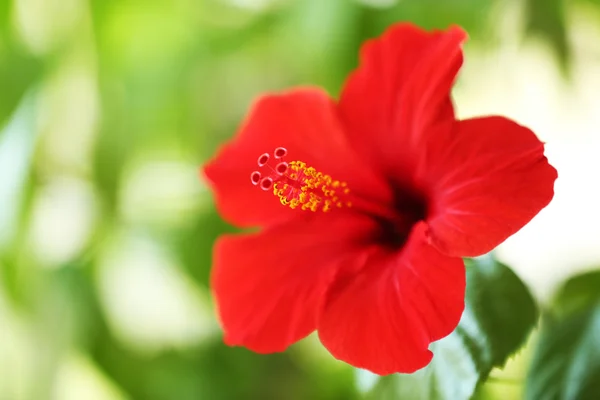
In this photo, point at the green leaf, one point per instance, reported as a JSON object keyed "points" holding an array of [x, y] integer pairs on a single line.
{"points": [[577, 294], [499, 315], [503, 310], [19, 70], [566, 361], [472, 15]]}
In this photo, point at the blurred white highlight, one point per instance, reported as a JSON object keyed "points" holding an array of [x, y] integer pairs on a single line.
{"points": [[150, 303]]}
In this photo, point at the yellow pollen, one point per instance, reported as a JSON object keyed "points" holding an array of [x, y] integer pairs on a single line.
{"points": [[305, 188]]}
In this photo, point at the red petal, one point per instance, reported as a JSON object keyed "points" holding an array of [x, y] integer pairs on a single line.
{"points": [[268, 285], [488, 178], [384, 317], [401, 87], [304, 122]]}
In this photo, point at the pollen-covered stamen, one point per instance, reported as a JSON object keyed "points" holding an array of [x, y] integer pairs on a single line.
{"points": [[299, 186], [302, 186]]}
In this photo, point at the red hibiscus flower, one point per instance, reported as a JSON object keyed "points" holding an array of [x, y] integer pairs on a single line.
{"points": [[365, 206]]}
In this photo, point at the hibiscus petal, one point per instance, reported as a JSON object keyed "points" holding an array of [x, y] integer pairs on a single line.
{"points": [[489, 177], [268, 285], [304, 121], [401, 87], [383, 317]]}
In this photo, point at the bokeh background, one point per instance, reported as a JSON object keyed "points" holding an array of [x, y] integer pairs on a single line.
{"points": [[108, 108]]}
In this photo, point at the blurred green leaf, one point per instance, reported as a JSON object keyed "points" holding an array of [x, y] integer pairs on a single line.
{"points": [[19, 71], [195, 244], [18, 187], [577, 294], [4, 9], [546, 19], [566, 362], [499, 315], [473, 15]]}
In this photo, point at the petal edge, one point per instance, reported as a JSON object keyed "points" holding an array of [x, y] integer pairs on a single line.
{"points": [[490, 178]]}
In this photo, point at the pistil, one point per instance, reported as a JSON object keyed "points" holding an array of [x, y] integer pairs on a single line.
{"points": [[298, 185]]}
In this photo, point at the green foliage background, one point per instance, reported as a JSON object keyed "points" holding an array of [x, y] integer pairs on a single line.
{"points": [[108, 107]]}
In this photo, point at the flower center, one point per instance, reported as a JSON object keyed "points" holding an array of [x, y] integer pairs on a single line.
{"points": [[298, 185]]}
